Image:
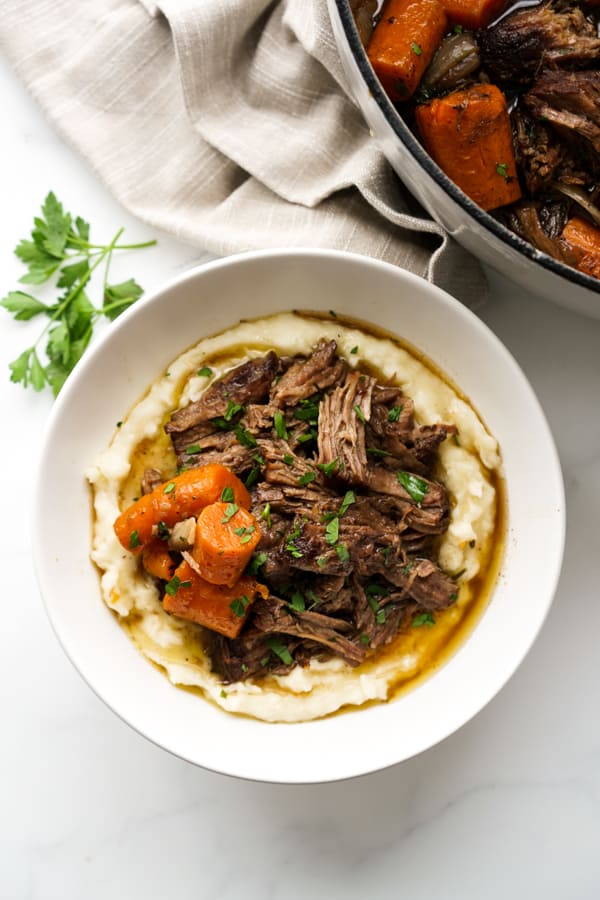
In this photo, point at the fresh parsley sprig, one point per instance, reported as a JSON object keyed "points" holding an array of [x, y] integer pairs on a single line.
{"points": [[60, 246]]}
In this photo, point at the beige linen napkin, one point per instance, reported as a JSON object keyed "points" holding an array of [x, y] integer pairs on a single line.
{"points": [[227, 123]]}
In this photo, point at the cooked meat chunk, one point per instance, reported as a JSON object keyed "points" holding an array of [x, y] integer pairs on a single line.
{"points": [[151, 479], [246, 383], [305, 377], [570, 101], [515, 50], [539, 152], [343, 413]]}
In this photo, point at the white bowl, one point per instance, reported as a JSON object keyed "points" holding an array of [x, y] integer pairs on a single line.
{"points": [[475, 229], [116, 371]]}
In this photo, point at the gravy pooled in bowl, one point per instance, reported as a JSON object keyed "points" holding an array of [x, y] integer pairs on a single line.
{"points": [[299, 516]]}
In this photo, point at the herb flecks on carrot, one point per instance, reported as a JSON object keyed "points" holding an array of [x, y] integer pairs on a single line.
{"points": [[181, 497], [468, 134], [226, 537], [403, 43], [219, 608], [583, 240]]}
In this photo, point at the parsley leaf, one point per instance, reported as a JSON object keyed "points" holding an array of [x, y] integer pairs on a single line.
{"points": [[280, 649], [60, 243], [426, 618], [332, 531], [279, 423], [413, 485]]}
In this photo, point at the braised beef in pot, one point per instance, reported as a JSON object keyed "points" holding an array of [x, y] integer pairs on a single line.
{"points": [[506, 99]]}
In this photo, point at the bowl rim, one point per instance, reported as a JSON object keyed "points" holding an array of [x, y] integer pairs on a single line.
{"points": [[466, 713], [417, 150]]}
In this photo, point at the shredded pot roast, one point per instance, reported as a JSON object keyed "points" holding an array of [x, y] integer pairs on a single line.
{"points": [[342, 483]]}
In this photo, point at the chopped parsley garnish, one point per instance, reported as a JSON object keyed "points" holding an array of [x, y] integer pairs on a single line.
{"points": [[349, 499], [246, 534], [244, 437], [342, 552], [134, 540], [297, 602], [172, 586], [244, 667], [232, 410], [280, 649], [413, 485], [502, 170], [308, 409], [252, 476], [364, 638], [291, 546], [394, 413], [374, 451], [423, 619], [359, 413], [193, 448], [258, 561], [227, 495], [279, 424], [205, 372], [288, 459], [458, 29], [354, 350], [416, 48], [329, 468], [321, 562], [266, 514], [223, 693], [265, 660], [163, 531], [332, 531], [307, 478], [239, 605], [170, 487], [313, 597], [230, 512], [380, 617]]}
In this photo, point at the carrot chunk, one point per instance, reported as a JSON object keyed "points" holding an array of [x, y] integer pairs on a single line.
{"points": [[403, 43], [226, 536], [157, 560], [469, 136], [175, 500], [473, 14], [583, 240], [215, 606]]}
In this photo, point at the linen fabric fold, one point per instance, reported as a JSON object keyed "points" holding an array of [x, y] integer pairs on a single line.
{"points": [[226, 123]]}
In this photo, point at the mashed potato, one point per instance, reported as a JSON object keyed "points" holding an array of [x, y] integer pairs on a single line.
{"points": [[470, 469]]}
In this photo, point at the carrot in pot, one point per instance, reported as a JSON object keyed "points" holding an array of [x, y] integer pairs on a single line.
{"points": [[157, 560], [468, 134], [474, 14], [226, 537], [181, 497], [217, 607], [583, 240], [403, 43]]}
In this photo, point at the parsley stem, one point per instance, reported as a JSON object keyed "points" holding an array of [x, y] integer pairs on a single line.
{"points": [[78, 288], [85, 245]]}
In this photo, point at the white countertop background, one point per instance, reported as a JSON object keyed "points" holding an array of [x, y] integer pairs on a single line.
{"points": [[508, 807]]}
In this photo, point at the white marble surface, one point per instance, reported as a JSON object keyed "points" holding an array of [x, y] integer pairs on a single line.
{"points": [[507, 807]]}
